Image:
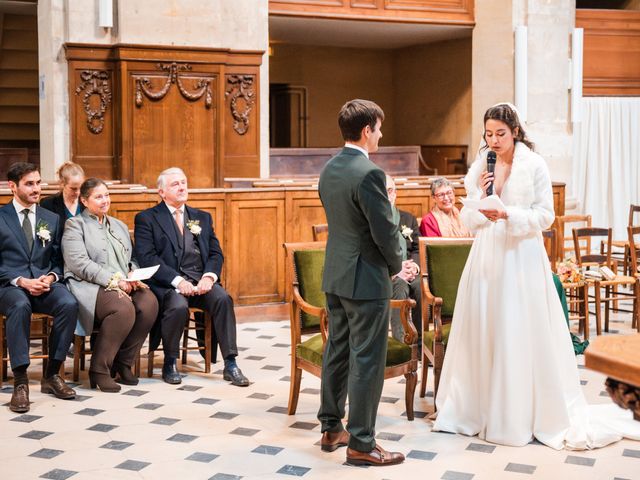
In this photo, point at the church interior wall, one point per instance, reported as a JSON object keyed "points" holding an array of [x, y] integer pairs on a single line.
{"points": [[432, 94], [425, 91], [333, 75]]}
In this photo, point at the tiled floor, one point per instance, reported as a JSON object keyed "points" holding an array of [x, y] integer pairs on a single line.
{"points": [[206, 428]]}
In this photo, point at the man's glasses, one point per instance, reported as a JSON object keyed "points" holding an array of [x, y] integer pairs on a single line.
{"points": [[441, 195]]}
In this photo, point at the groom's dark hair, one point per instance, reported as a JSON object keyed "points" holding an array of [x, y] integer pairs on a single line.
{"points": [[357, 114]]}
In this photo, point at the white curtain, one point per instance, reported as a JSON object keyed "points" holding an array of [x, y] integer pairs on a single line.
{"points": [[606, 172]]}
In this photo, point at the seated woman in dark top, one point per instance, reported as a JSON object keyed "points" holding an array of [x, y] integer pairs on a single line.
{"points": [[66, 203]]}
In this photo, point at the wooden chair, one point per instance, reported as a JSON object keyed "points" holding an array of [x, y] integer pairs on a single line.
{"points": [[628, 267], [308, 315], [610, 286], [634, 252], [634, 240], [442, 261], [41, 325], [566, 224], [193, 325], [577, 293], [320, 232]]}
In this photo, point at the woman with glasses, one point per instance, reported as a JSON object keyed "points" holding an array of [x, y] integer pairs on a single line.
{"points": [[97, 260], [444, 218]]}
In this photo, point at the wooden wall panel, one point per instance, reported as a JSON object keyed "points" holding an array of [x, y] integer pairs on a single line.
{"points": [[611, 62], [413, 200], [450, 12], [253, 224], [169, 107], [242, 116], [254, 253], [304, 209], [173, 130], [91, 108]]}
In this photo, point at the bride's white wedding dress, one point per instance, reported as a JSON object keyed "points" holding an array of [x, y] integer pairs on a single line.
{"points": [[510, 373]]}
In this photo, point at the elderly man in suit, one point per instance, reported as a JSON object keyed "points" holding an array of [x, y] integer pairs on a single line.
{"points": [[182, 241], [406, 284], [30, 270], [362, 254]]}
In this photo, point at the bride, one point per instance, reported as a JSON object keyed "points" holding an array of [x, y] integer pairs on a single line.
{"points": [[510, 373]]}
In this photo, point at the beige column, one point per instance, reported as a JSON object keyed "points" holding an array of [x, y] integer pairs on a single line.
{"points": [[54, 117], [549, 117], [549, 27], [492, 63]]}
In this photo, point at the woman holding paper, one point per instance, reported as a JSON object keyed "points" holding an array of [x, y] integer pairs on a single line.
{"points": [[97, 256], [510, 374]]}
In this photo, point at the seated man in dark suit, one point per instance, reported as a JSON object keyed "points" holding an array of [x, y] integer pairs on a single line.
{"points": [[181, 240], [406, 284], [30, 267]]}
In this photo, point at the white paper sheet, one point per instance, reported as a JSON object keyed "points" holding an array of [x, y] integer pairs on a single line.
{"points": [[488, 203], [140, 274]]}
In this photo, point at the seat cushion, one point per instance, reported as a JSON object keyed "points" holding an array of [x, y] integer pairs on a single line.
{"points": [[397, 352], [430, 335], [311, 350], [445, 264], [309, 269]]}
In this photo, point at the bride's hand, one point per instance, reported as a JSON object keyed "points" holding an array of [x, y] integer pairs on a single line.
{"points": [[485, 179], [494, 215]]}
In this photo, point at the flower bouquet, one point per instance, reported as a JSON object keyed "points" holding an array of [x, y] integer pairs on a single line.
{"points": [[569, 272]]}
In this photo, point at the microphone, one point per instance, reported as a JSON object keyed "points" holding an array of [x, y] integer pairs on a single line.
{"points": [[491, 168]]}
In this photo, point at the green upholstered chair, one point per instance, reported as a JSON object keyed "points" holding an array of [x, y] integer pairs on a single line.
{"points": [[442, 261], [305, 263]]}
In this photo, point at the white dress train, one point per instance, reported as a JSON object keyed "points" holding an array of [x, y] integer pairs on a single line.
{"points": [[510, 373]]}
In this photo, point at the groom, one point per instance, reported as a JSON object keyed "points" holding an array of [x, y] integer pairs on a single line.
{"points": [[362, 254]]}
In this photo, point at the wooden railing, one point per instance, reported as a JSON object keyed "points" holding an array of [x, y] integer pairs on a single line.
{"points": [[450, 12], [252, 224]]}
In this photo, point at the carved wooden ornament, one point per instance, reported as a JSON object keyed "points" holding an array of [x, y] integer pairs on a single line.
{"points": [[95, 82], [202, 87], [240, 87]]}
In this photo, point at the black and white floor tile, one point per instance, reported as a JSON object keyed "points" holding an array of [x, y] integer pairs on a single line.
{"points": [[208, 429]]}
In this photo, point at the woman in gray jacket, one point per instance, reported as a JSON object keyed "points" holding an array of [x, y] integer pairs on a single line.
{"points": [[97, 257]]}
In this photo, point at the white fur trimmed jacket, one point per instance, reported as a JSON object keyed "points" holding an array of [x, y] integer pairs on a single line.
{"points": [[527, 194]]}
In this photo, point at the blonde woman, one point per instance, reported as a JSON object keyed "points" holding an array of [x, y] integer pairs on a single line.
{"points": [[67, 202]]}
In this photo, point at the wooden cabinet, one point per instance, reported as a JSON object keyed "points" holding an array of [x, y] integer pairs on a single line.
{"points": [[136, 110]]}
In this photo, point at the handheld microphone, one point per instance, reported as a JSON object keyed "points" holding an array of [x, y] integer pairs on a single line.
{"points": [[491, 168]]}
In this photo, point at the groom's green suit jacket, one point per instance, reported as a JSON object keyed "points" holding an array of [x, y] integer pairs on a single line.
{"points": [[362, 250]]}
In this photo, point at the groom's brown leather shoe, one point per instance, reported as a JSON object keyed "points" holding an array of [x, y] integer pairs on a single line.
{"points": [[377, 457], [331, 441], [20, 399]]}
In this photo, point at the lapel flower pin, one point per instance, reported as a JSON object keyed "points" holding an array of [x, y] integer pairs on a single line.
{"points": [[406, 231], [43, 233], [194, 227]]}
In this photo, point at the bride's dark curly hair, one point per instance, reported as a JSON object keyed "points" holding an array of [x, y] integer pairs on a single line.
{"points": [[508, 116]]}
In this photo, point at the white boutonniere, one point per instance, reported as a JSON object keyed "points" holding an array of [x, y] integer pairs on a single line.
{"points": [[43, 233], [194, 227], [406, 231]]}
